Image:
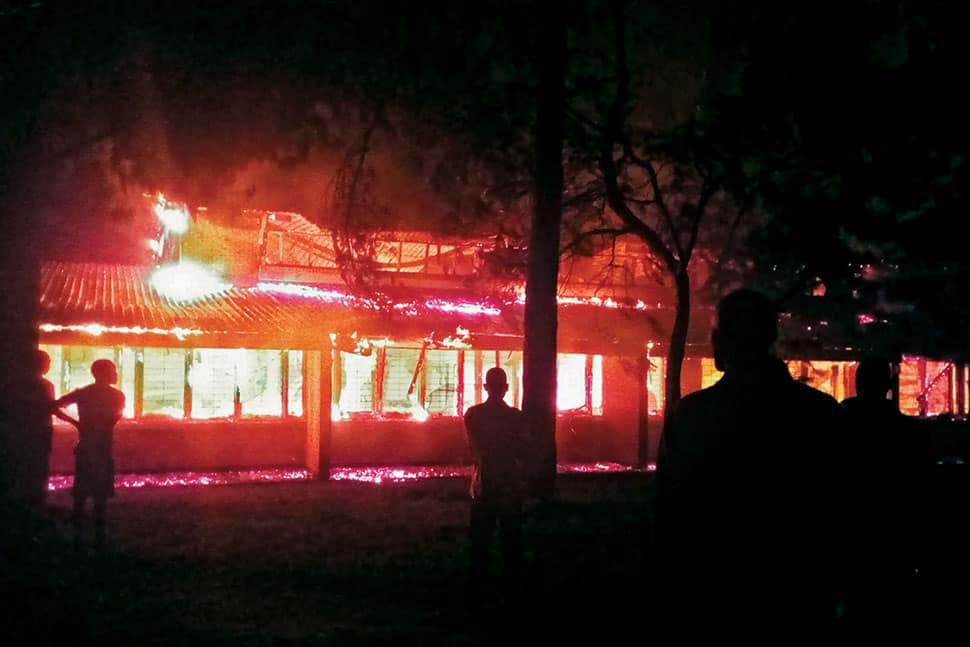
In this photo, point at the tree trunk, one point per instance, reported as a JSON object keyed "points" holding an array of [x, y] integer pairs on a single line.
{"points": [[539, 372], [19, 286], [678, 343]]}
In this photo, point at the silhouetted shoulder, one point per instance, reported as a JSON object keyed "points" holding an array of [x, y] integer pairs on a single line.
{"points": [[699, 400], [816, 397]]}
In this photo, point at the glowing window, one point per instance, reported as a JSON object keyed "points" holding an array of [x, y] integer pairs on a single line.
{"points": [[469, 377], [926, 387], [571, 382], [511, 361], [164, 389], [709, 373], [400, 380], [126, 359], [655, 385], [294, 394], [441, 382], [213, 380], [55, 374], [357, 382], [829, 377], [71, 369], [259, 378], [76, 370], [77, 364]]}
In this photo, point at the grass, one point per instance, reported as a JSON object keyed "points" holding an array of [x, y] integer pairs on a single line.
{"points": [[338, 563]]}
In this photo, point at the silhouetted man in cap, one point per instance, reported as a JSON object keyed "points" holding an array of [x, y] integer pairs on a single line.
{"points": [[499, 445], [749, 495]]}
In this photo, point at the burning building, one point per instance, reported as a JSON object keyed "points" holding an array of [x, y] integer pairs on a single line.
{"points": [[279, 364]]}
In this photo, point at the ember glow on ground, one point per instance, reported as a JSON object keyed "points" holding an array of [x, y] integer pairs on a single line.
{"points": [[374, 475]]}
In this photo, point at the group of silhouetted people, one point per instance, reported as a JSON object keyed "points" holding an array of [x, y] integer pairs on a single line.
{"points": [[780, 513], [28, 407]]}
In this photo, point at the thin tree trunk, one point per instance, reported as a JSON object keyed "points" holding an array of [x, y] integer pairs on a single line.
{"points": [[539, 395], [19, 287], [678, 343]]}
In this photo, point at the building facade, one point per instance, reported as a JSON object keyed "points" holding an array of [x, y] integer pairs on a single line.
{"points": [[284, 366]]}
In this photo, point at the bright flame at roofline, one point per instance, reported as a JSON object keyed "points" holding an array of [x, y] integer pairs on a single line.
{"points": [[443, 305], [173, 216], [608, 302], [187, 281], [96, 330], [311, 292]]}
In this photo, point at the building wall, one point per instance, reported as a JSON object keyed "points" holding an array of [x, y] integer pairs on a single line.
{"points": [[169, 445], [176, 445], [605, 429]]}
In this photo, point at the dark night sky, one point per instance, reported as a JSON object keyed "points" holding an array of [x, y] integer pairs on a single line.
{"points": [[252, 104]]}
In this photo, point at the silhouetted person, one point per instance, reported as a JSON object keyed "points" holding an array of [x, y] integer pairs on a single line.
{"points": [[29, 400], [99, 407], [39, 431], [748, 500], [893, 459], [499, 445]]}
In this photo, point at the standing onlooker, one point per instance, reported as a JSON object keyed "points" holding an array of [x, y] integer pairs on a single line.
{"points": [[28, 406], [99, 407], [499, 444], [893, 459], [39, 432], [750, 492]]}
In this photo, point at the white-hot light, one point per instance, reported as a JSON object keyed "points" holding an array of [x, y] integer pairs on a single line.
{"points": [[187, 281], [461, 339], [419, 413], [173, 216], [466, 308]]}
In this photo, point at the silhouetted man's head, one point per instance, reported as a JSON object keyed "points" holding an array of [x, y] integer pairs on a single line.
{"points": [[874, 377], [42, 362], [496, 382], [746, 327], [104, 371]]}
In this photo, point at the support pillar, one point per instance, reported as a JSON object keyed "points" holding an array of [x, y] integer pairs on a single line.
{"points": [[318, 389]]}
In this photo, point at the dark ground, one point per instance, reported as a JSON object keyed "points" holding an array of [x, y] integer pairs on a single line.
{"points": [[336, 563], [348, 563]]}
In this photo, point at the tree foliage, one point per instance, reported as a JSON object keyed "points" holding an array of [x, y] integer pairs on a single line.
{"points": [[852, 134]]}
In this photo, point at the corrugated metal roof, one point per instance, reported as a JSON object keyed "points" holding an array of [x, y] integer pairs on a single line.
{"points": [[120, 298], [118, 304]]}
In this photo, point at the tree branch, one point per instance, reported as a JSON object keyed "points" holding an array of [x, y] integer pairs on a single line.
{"points": [[613, 130], [658, 196], [706, 194], [582, 119], [586, 235]]}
